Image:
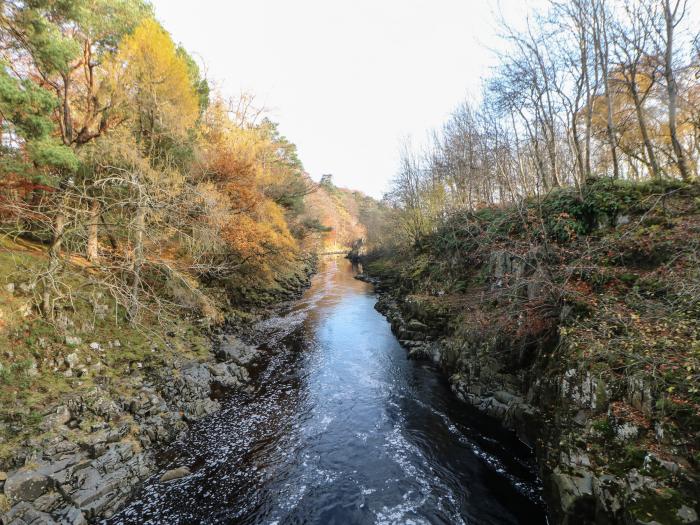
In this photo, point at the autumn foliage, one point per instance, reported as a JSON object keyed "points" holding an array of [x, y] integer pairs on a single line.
{"points": [[114, 149]]}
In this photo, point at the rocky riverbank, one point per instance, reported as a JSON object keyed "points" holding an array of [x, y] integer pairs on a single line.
{"points": [[585, 345], [568, 416], [93, 448]]}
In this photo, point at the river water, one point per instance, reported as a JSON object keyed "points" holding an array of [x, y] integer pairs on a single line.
{"points": [[342, 429]]}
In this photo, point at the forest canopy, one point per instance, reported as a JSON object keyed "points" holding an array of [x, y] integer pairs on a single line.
{"points": [[115, 149]]}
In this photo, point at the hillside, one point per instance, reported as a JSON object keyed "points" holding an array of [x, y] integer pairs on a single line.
{"points": [[342, 214]]}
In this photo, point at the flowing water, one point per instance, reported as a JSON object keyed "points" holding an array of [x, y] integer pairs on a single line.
{"points": [[342, 429]]}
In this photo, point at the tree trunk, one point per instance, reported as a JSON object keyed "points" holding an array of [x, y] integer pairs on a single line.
{"points": [[92, 241], [641, 119], [672, 89], [112, 239], [600, 40], [139, 226], [54, 257]]}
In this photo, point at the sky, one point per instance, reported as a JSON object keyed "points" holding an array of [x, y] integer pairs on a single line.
{"points": [[348, 81]]}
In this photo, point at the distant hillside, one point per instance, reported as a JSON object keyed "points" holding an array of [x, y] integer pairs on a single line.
{"points": [[339, 216]]}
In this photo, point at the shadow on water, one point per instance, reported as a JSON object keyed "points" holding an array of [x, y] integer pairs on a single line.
{"points": [[341, 429]]}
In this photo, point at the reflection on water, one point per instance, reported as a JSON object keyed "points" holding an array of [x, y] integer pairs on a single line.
{"points": [[342, 429]]}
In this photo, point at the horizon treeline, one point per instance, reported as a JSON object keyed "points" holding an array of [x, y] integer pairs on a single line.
{"points": [[584, 89], [114, 148]]}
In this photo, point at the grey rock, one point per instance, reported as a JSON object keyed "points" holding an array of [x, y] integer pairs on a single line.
{"points": [[25, 514], [237, 351], [27, 287], [626, 431], [175, 473], [73, 340], [416, 326], [573, 486], [581, 418], [27, 486], [687, 515], [48, 502], [621, 220], [506, 397], [10, 287], [71, 516], [57, 417], [72, 360]]}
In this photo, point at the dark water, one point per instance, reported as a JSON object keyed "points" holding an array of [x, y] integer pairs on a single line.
{"points": [[342, 429]]}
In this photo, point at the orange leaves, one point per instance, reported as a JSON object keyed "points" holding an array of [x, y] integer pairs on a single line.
{"points": [[233, 172]]}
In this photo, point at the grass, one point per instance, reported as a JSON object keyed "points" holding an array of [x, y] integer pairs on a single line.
{"points": [[33, 351]]}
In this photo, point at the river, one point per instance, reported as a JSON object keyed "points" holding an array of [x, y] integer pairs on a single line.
{"points": [[341, 429]]}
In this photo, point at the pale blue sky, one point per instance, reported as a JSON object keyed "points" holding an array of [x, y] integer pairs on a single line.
{"points": [[347, 80]]}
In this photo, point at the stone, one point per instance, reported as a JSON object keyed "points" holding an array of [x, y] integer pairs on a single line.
{"points": [[175, 473], [25, 310], [621, 220], [237, 351], [10, 287], [27, 486], [72, 360], [27, 287], [572, 487], [72, 516], [57, 417], [95, 346], [626, 431], [506, 397], [581, 418], [417, 326], [73, 340], [48, 502], [687, 515], [24, 514]]}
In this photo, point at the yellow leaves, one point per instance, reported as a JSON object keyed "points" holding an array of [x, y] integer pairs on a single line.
{"points": [[157, 80], [232, 191]]}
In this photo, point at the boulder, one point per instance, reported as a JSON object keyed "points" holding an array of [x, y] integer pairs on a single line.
{"points": [[23, 513], [687, 515], [237, 351], [27, 486], [72, 516], [73, 340], [573, 489], [176, 473], [72, 360], [416, 326], [57, 417]]}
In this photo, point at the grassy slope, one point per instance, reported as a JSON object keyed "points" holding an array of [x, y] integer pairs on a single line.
{"points": [[34, 374]]}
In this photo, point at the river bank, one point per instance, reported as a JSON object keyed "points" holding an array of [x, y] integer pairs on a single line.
{"points": [[583, 482], [132, 394], [586, 346]]}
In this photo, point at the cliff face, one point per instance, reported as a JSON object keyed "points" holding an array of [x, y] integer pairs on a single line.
{"points": [[584, 339]]}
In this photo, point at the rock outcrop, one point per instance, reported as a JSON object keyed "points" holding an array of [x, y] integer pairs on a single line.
{"points": [[585, 426], [75, 477]]}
